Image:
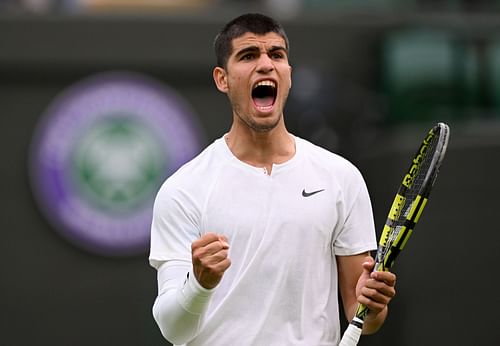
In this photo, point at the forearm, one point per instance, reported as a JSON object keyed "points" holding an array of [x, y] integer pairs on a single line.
{"points": [[372, 322], [181, 303]]}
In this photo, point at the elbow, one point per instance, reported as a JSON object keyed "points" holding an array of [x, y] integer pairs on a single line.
{"points": [[161, 323], [171, 326]]}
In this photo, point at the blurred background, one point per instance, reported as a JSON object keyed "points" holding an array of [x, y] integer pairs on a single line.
{"points": [[101, 100]]}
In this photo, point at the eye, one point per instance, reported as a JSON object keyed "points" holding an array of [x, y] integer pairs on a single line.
{"points": [[277, 55], [248, 56]]}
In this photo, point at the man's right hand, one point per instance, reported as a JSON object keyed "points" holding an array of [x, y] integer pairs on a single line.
{"points": [[210, 261]]}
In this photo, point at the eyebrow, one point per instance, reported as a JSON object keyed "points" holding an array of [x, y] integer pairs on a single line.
{"points": [[251, 49], [246, 50], [275, 48]]}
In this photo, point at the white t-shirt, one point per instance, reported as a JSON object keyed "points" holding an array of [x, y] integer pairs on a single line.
{"points": [[284, 231]]}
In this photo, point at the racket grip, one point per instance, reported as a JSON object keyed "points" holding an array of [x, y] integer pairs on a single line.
{"points": [[352, 334]]}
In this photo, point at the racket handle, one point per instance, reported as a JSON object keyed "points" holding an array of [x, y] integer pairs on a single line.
{"points": [[353, 333]]}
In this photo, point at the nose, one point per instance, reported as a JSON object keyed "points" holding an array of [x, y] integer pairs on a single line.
{"points": [[265, 64]]}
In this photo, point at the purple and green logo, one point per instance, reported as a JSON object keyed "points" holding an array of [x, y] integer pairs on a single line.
{"points": [[100, 153]]}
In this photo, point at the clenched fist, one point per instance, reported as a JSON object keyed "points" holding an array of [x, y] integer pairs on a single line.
{"points": [[210, 261]]}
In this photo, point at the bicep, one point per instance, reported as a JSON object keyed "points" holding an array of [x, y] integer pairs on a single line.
{"points": [[175, 225], [349, 271]]}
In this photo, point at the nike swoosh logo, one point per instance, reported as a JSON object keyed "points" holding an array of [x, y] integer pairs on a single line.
{"points": [[308, 194]]}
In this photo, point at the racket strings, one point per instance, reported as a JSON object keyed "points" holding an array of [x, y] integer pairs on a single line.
{"points": [[424, 169], [419, 180]]}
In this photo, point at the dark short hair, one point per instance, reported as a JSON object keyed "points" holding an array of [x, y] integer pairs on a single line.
{"points": [[255, 23]]}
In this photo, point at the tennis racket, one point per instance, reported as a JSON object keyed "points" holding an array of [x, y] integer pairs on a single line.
{"points": [[405, 212]]}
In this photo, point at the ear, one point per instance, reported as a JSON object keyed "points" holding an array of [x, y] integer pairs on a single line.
{"points": [[220, 78]]}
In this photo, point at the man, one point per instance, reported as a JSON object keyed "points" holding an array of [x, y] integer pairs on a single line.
{"points": [[253, 238]]}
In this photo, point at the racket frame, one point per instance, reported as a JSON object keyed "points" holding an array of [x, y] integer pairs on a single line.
{"points": [[394, 237]]}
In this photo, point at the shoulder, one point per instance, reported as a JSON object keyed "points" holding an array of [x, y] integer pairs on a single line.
{"points": [[195, 174], [323, 159]]}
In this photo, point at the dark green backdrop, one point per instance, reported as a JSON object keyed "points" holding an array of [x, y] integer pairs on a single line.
{"points": [[52, 293]]}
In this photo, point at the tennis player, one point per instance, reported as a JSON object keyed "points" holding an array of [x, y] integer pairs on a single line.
{"points": [[254, 238]]}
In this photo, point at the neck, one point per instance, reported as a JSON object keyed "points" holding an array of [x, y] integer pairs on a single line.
{"points": [[261, 149]]}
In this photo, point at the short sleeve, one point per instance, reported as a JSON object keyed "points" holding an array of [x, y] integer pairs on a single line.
{"points": [[175, 225], [356, 234]]}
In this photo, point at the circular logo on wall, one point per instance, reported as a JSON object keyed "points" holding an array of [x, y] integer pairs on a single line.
{"points": [[100, 153]]}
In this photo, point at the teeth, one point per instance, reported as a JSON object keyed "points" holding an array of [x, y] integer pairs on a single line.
{"points": [[266, 83]]}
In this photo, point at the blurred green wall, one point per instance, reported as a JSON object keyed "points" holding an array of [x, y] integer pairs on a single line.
{"points": [[52, 293]]}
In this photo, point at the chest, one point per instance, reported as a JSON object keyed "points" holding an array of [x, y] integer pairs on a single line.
{"points": [[295, 207]]}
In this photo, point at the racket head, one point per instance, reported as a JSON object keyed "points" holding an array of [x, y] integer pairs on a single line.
{"points": [[412, 195]]}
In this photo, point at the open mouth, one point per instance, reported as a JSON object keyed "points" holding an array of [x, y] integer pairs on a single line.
{"points": [[264, 94]]}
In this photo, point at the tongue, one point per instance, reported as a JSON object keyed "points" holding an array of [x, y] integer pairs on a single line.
{"points": [[263, 101]]}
